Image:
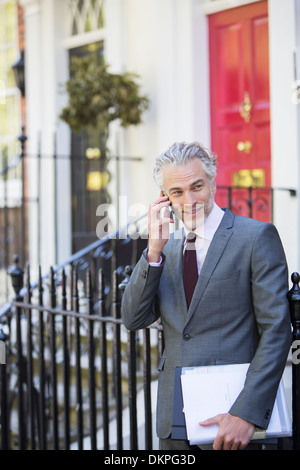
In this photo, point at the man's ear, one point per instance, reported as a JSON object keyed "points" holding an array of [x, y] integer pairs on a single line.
{"points": [[213, 188]]}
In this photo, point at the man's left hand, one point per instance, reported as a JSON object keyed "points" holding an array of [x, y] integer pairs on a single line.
{"points": [[234, 432]]}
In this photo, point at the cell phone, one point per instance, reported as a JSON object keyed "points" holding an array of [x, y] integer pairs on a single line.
{"points": [[170, 208]]}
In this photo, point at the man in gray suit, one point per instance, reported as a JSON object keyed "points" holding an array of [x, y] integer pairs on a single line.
{"points": [[238, 312]]}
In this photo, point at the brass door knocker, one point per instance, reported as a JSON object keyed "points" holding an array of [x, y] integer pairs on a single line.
{"points": [[246, 107]]}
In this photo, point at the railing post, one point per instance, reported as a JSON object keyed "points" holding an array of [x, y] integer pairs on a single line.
{"points": [[147, 388], [132, 389], [115, 313], [91, 354], [132, 355], [4, 396], [294, 302], [78, 371], [53, 370], [31, 395], [125, 281], [66, 365], [17, 276], [42, 426]]}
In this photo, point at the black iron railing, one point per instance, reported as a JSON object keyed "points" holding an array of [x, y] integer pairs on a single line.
{"points": [[71, 367], [294, 301], [254, 202]]}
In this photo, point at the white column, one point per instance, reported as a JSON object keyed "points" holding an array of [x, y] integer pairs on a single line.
{"points": [[47, 181], [46, 64], [63, 183], [32, 24], [284, 125]]}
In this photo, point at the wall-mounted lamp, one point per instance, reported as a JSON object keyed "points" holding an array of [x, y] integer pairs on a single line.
{"points": [[19, 72]]}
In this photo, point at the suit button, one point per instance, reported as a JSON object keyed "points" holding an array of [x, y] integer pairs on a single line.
{"points": [[186, 337]]}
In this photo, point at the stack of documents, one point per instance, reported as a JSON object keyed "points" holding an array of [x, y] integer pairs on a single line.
{"points": [[205, 392]]}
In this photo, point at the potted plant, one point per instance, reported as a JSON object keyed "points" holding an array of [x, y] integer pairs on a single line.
{"points": [[98, 97]]}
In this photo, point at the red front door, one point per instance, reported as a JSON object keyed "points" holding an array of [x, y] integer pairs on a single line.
{"points": [[240, 105]]}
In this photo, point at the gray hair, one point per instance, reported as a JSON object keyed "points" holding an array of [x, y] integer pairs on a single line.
{"points": [[181, 153]]}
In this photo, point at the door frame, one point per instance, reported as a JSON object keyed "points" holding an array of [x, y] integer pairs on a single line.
{"points": [[283, 132], [219, 5]]}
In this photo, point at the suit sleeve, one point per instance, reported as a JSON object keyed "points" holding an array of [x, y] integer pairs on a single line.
{"points": [[269, 277], [139, 307]]}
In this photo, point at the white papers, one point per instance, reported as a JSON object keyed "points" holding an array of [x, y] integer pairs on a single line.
{"points": [[208, 391]]}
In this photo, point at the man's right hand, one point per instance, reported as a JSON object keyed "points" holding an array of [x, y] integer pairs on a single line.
{"points": [[158, 227]]}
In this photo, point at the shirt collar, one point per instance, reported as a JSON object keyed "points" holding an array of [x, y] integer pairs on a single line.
{"points": [[211, 223]]}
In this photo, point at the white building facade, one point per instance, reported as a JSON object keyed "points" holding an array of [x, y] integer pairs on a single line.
{"points": [[166, 43]]}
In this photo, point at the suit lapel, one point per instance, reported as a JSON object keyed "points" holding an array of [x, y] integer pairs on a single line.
{"points": [[213, 256]]}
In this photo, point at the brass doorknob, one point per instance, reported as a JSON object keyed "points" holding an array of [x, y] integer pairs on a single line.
{"points": [[244, 146]]}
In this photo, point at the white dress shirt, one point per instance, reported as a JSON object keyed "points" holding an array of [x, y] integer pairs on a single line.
{"points": [[205, 234]]}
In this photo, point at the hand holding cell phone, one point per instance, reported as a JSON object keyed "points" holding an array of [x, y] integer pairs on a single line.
{"points": [[159, 219]]}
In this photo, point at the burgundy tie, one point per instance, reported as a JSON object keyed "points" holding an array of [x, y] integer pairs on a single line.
{"points": [[190, 269]]}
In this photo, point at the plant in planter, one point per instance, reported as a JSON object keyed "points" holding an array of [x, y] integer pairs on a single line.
{"points": [[96, 98]]}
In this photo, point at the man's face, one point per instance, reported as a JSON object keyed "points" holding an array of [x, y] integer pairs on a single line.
{"points": [[190, 192]]}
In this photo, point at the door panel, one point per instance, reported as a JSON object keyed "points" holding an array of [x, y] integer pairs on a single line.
{"points": [[229, 39], [240, 101], [261, 62]]}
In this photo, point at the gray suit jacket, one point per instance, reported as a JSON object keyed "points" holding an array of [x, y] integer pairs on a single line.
{"points": [[239, 313]]}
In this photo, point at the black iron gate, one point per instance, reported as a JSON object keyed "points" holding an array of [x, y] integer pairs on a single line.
{"points": [[71, 367]]}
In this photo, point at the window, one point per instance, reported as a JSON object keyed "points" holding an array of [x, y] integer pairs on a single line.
{"points": [[9, 94], [88, 177], [85, 36], [86, 16]]}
